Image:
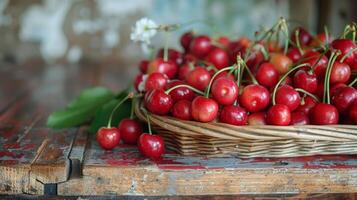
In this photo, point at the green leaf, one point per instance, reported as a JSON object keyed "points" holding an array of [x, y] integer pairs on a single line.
{"points": [[81, 109], [102, 116]]}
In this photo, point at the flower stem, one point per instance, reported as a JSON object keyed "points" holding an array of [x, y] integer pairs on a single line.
{"points": [[213, 77], [166, 48], [283, 78], [186, 86], [130, 95], [307, 93]]}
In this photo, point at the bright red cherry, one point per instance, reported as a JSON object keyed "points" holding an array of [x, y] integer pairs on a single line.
{"points": [[234, 115], [218, 58], [345, 46], [204, 109], [224, 41], [286, 95], [143, 66], [312, 58], [340, 73], [166, 67], [294, 54], [184, 70], [267, 75], [344, 98], [199, 78], [254, 98], [151, 146], [299, 118], [201, 46], [304, 37], [182, 110], [324, 114], [156, 80], [108, 138], [224, 91], [307, 104], [353, 113], [186, 39], [130, 131], [181, 92], [158, 102], [305, 80], [279, 115], [257, 118]]}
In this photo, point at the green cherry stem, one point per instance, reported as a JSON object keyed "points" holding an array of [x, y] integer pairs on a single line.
{"points": [[166, 48], [353, 82], [148, 121], [186, 86], [297, 39], [307, 93], [130, 95], [241, 62], [332, 60], [214, 76], [132, 108], [347, 54], [283, 78], [326, 37]]}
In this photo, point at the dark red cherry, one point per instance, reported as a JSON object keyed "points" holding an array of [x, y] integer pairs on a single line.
{"points": [[306, 80], [138, 79], [294, 54], [173, 55], [108, 138], [199, 78], [286, 95], [184, 70], [156, 80], [143, 66], [279, 115], [344, 98], [234, 115], [181, 92], [304, 37], [218, 58], [267, 75], [306, 105], [182, 110], [204, 109], [257, 118], [165, 67], [130, 131], [312, 58], [345, 46], [254, 98], [324, 114], [201, 46], [299, 118], [224, 91], [223, 41], [340, 73], [151, 146], [158, 102], [186, 39], [335, 88], [353, 113]]}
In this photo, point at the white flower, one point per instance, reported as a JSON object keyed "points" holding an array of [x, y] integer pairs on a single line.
{"points": [[143, 30]]}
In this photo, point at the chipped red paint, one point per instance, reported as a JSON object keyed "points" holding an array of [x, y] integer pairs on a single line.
{"points": [[10, 154]]}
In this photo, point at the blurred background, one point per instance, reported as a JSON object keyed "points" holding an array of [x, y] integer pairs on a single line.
{"points": [[70, 33]]}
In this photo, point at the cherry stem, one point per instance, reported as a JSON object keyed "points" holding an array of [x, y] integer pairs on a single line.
{"points": [[283, 78], [148, 121], [166, 48], [264, 52], [347, 54], [130, 95], [326, 36], [333, 57], [307, 93], [240, 61], [238, 75], [353, 82], [184, 86], [214, 76], [132, 108], [297, 32]]}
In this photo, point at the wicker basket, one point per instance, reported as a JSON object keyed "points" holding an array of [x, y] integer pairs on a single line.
{"points": [[195, 138]]}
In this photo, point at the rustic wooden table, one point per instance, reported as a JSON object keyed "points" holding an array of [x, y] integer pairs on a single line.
{"points": [[35, 160]]}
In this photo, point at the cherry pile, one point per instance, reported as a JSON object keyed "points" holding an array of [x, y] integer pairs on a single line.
{"points": [[309, 79]]}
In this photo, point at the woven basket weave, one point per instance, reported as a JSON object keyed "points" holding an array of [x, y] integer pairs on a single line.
{"points": [[217, 139]]}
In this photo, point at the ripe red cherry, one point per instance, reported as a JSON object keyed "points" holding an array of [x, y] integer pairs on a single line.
{"points": [[305, 80], [184, 70], [143, 66], [344, 99], [345, 46], [224, 91], [181, 92], [340, 73], [312, 58], [234, 115], [258, 118], [156, 80], [138, 79], [286, 95], [307, 105], [324, 114], [182, 110], [224, 41], [279, 115], [173, 55], [199, 78], [158, 102], [151, 146], [186, 39], [130, 131], [304, 36], [108, 138], [267, 75], [218, 58], [201, 46], [281, 62], [353, 113], [166, 67], [335, 88], [254, 98], [299, 118], [294, 54], [204, 109]]}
